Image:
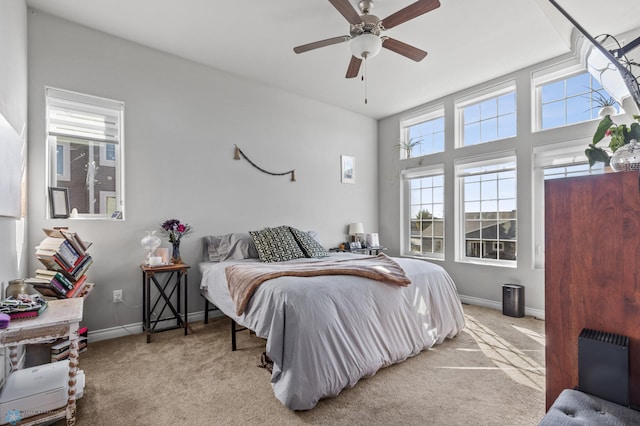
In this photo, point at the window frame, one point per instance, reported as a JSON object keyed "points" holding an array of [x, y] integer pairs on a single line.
{"points": [[419, 117], [477, 97], [405, 241], [561, 154], [93, 105], [561, 71], [494, 158]]}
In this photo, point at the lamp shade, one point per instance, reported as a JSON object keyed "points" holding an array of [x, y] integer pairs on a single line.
{"points": [[366, 45], [356, 228]]}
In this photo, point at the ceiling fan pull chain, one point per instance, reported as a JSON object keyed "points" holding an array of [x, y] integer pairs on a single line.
{"points": [[364, 78]]}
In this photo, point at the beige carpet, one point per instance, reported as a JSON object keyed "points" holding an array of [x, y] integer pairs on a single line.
{"points": [[490, 374]]}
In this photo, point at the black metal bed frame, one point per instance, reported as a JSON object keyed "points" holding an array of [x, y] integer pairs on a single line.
{"points": [[234, 328]]}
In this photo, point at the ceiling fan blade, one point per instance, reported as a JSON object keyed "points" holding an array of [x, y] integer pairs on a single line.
{"points": [[413, 10], [354, 67], [404, 49], [346, 10], [321, 43]]}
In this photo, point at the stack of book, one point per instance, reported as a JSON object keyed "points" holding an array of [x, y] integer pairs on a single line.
{"points": [[65, 256], [60, 348]]}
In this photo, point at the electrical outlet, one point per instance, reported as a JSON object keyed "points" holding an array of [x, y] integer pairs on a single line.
{"points": [[117, 296]]}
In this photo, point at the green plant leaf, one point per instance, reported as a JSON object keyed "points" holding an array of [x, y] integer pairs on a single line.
{"points": [[596, 154], [603, 126], [634, 132]]}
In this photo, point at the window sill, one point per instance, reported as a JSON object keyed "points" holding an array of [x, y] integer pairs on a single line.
{"points": [[488, 262], [413, 256]]}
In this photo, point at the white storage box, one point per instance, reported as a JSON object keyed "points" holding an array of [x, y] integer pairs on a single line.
{"points": [[37, 390]]}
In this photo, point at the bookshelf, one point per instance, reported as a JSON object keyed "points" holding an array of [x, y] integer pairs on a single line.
{"points": [[65, 262]]}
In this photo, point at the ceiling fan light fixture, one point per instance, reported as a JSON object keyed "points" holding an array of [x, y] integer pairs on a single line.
{"points": [[366, 45]]}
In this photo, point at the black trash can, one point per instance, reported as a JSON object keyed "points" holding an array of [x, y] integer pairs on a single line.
{"points": [[513, 300]]}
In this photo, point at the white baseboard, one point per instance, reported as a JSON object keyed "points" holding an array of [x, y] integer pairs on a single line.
{"points": [[492, 304], [136, 328]]}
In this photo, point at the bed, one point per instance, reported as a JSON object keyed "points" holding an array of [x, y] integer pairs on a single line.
{"points": [[324, 333]]}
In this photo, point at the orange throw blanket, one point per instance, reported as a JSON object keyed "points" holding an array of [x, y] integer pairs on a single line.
{"points": [[243, 279]]}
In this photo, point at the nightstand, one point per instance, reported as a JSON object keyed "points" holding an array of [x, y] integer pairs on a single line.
{"points": [[173, 277]]}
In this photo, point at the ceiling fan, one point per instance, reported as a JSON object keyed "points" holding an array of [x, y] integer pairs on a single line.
{"points": [[365, 31]]}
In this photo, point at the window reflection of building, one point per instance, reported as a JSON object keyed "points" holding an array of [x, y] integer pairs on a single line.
{"points": [[491, 238]]}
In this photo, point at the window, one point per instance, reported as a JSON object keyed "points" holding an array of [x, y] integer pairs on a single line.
{"points": [[85, 151], [424, 224], [488, 228], [553, 162], [570, 100], [487, 117], [422, 134]]}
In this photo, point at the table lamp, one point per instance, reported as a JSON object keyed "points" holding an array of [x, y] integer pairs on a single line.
{"points": [[355, 229]]}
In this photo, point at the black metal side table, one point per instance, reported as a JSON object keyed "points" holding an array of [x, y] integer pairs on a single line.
{"points": [[174, 276]]}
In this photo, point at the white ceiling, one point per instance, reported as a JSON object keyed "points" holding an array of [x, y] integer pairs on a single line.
{"points": [[468, 41]]}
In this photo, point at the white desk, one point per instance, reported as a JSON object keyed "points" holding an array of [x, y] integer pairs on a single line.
{"points": [[60, 319]]}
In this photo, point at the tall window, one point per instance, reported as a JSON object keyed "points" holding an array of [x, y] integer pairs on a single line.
{"points": [[488, 229], [555, 162], [570, 100], [422, 134], [85, 151], [488, 117], [425, 221]]}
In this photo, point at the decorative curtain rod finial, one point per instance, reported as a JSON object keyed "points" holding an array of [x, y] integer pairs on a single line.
{"points": [[236, 156], [293, 175]]}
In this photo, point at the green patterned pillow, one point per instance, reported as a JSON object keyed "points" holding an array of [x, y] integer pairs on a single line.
{"points": [[308, 244], [276, 244]]}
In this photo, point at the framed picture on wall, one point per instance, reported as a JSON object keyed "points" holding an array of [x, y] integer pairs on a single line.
{"points": [[347, 169], [59, 201]]}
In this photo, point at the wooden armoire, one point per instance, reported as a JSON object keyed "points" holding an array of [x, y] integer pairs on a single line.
{"points": [[592, 271]]}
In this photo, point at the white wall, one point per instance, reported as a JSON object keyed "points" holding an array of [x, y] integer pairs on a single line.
{"points": [[182, 120], [13, 106]]}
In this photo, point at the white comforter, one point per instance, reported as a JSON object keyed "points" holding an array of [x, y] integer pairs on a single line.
{"points": [[326, 333]]}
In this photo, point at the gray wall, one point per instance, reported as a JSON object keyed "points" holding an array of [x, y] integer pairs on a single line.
{"points": [[13, 106], [182, 120]]}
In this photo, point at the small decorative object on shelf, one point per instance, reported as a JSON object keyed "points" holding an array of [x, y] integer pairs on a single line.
{"points": [[620, 136], [626, 158], [175, 230], [175, 254], [151, 242], [15, 288], [603, 102]]}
